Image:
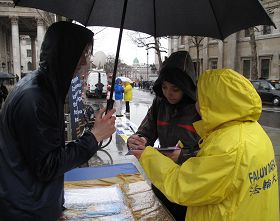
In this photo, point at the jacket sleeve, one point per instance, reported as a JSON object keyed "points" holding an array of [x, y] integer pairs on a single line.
{"points": [[40, 134], [148, 127], [199, 181]]}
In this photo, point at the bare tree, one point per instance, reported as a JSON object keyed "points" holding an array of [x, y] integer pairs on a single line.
{"points": [[109, 64], [149, 42], [196, 40], [123, 68], [253, 44]]}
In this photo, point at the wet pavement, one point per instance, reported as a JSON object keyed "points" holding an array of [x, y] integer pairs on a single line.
{"points": [[116, 151]]}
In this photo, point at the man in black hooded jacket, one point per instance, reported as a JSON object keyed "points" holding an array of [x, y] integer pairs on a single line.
{"points": [[33, 154]]}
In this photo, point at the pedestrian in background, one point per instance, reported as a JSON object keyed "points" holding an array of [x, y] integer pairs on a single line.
{"points": [[171, 116], [118, 97], [33, 153], [127, 96], [3, 93], [234, 175]]}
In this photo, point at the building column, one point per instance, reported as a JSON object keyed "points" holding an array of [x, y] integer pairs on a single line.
{"points": [[15, 46], [205, 54], [40, 37], [2, 50], [33, 52], [176, 43], [220, 54], [232, 51], [187, 43], [170, 45]]}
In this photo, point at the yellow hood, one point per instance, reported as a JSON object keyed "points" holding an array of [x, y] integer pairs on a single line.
{"points": [[225, 97]]}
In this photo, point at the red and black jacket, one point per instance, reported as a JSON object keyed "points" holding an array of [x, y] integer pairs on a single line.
{"points": [[173, 122], [170, 123]]}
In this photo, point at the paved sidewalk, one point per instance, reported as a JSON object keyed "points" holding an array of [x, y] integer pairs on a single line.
{"points": [[274, 134]]}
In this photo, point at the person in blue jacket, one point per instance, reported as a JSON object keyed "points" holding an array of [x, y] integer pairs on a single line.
{"points": [[118, 97], [33, 153]]}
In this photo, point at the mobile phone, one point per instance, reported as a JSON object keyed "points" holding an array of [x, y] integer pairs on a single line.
{"points": [[168, 148]]}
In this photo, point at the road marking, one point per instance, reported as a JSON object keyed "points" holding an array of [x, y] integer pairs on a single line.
{"points": [[271, 109]]}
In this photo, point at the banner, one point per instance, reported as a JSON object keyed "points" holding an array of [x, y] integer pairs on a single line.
{"points": [[76, 107]]}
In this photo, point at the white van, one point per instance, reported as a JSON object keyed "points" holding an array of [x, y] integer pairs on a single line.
{"points": [[96, 77]]}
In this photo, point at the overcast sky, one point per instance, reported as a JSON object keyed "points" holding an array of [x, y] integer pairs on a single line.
{"points": [[106, 40]]}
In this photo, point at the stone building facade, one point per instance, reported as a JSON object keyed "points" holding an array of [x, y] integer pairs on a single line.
{"points": [[235, 51], [21, 35], [140, 72]]}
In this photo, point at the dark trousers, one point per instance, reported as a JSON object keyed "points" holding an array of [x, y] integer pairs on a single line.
{"points": [[127, 108], [178, 212]]}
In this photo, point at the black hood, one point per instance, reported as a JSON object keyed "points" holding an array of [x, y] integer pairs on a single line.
{"points": [[178, 69], [61, 50]]}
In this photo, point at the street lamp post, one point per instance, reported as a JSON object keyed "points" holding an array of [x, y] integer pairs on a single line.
{"points": [[147, 63]]}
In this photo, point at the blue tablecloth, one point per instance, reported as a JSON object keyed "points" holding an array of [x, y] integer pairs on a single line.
{"points": [[99, 172]]}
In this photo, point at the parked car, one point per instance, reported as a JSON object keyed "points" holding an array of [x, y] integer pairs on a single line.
{"points": [[97, 83], [275, 83], [267, 92]]}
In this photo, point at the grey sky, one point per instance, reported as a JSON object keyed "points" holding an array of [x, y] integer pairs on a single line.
{"points": [[106, 40]]}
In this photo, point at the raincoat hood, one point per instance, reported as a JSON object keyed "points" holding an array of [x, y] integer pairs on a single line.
{"points": [[61, 50], [225, 96], [118, 81], [178, 69]]}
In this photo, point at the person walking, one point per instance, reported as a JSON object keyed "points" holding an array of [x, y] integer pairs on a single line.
{"points": [[170, 117], [127, 96], [118, 97], [33, 153], [3, 93], [4, 90], [234, 175]]}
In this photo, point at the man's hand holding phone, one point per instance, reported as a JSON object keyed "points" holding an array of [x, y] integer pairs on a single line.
{"points": [[136, 142]]}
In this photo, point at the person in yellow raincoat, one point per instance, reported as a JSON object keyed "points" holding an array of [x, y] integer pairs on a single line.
{"points": [[127, 96], [234, 175]]}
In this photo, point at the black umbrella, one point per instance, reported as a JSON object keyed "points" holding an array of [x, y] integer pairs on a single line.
{"points": [[208, 18], [6, 76]]}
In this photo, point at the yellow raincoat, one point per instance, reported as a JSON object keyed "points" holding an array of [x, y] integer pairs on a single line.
{"points": [[234, 176], [127, 91]]}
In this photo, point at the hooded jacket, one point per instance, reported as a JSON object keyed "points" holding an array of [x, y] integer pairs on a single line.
{"points": [[173, 122], [234, 176], [33, 154], [127, 91], [118, 90]]}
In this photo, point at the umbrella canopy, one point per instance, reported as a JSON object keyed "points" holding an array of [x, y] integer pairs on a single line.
{"points": [[125, 79], [208, 18], [6, 76]]}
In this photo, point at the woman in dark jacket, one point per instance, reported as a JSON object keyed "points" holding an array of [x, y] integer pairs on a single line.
{"points": [[170, 117], [33, 154]]}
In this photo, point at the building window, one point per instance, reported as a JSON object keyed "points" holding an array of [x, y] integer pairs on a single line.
{"points": [[29, 66], [266, 29], [213, 63], [247, 68], [28, 41], [265, 68], [246, 33], [28, 53]]}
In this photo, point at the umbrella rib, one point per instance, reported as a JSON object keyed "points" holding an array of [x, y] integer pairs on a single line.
{"points": [[155, 21], [89, 12], [219, 28], [118, 50]]}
